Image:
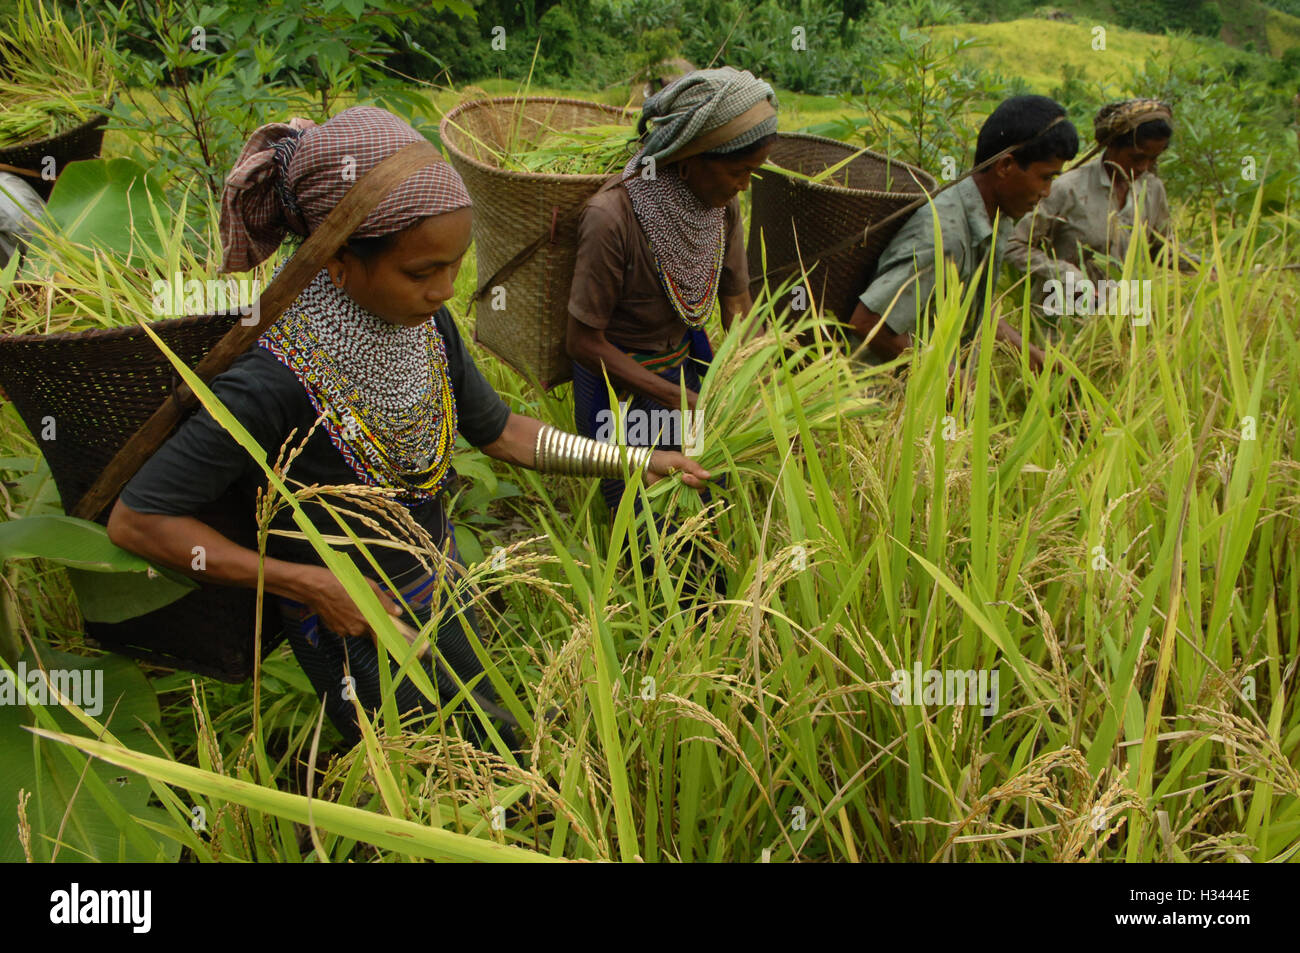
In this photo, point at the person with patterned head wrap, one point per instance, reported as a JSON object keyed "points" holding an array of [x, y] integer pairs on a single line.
{"points": [[367, 374], [661, 245], [1080, 235]]}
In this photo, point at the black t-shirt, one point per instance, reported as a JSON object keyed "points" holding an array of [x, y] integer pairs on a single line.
{"points": [[201, 461]]}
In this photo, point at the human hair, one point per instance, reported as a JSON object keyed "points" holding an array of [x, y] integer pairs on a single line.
{"points": [[1152, 129], [368, 249], [744, 151], [1025, 119]]}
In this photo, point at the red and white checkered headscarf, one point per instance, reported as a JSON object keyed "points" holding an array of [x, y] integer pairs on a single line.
{"points": [[291, 175]]}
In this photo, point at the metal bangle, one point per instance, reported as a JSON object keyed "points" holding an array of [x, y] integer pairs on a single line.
{"points": [[558, 451]]}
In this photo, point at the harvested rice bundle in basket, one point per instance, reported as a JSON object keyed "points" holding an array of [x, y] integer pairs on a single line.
{"points": [[55, 79], [64, 287], [54, 307], [27, 115], [592, 150], [529, 164]]}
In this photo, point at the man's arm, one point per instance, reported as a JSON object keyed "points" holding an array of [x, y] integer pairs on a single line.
{"points": [[902, 286], [1030, 246], [1006, 332], [883, 342]]}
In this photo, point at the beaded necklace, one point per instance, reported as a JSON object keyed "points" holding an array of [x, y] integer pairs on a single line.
{"points": [[694, 314], [384, 389], [687, 241]]}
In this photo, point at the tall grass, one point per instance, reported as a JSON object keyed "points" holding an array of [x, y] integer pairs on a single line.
{"points": [[1115, 538]]}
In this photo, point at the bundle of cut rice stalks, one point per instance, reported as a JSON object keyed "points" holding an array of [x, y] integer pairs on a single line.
{"points": [[53, 74]]}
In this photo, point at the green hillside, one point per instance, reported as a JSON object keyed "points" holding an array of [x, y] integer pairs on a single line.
{"points": [[1262, 26], [1040, 50], [1282, 30], [1266, 26]]}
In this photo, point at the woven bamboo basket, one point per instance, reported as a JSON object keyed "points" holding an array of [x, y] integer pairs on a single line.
{"points": [[80, 142], [511, 209], [795, 218], [98, 387]]}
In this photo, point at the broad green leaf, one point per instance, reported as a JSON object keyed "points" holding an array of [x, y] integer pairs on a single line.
{"points": [[115, 597], [471, 551], [69, 542], [111, 583], [108, 203], [41, 770], [389, 833]]}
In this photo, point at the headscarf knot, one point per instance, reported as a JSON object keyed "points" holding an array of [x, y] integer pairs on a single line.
{"points": [[1118, 119], [290, 176]]}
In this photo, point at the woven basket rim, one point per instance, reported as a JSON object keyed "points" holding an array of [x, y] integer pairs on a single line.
{"points": [[78, 130], [112, 334], [842, 190], [509, 174]]}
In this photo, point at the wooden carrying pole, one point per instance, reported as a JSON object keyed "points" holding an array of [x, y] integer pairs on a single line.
{"points": [[342, 221]]}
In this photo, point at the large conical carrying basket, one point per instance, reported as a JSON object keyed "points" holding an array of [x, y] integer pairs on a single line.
{"points": [[801, 219], [524, 323], [114, 397], [98, 387]]}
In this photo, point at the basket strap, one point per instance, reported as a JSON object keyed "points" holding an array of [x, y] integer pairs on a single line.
{"points": [[306, 263], [558, 219]]}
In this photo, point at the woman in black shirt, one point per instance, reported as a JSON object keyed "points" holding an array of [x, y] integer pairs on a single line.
{"points": [[355, 367]]}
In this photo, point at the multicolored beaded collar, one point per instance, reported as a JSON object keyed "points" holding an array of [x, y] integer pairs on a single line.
{"points": [[693, 313], [384, 389]]}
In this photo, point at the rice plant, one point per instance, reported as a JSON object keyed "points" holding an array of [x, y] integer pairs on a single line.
{"points": [[1115, 540]]}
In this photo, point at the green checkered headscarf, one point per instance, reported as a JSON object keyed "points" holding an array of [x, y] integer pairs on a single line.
{"points": [[700, 103]]}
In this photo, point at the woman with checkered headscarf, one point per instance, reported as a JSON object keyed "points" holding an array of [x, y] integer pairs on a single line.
{"points": [[362, 382], [661, 246], [1079, 235]]}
